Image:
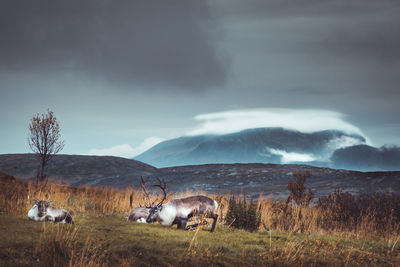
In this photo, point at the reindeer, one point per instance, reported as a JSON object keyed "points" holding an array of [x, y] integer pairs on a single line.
{"points": [[178, 211], [140, 214], [33, 213], [42, 211]]}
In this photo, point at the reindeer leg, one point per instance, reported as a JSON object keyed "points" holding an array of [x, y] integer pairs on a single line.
{"points": [[69, 219], [183, 224], [215, 217], [48, 219], [192, 226]]}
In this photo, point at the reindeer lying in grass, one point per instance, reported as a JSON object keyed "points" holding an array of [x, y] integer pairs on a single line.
{"points": [[42, 211], [139, 214], [178, 211]]}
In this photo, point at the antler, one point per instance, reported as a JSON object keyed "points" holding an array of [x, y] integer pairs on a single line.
{"points": [[145, 193], [163, 186]]}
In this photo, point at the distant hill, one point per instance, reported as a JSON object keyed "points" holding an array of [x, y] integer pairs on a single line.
{"points": [[251, 179], [262, 145], [79, 170], [271, 179], [367, 158]]}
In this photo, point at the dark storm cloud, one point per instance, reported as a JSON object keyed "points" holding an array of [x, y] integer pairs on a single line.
{"points": [[357, 28], [330, 54], [338, 55], [301, 8], [349, 47], [150, 43]]}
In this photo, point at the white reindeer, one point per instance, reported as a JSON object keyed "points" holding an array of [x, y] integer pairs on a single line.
{"points": [[139, 214], [42, 211], [178, 211]]}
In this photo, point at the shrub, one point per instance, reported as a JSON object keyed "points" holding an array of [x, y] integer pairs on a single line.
{"points": [[299, 193], [379, 211], [243, 215], [339, 209]]}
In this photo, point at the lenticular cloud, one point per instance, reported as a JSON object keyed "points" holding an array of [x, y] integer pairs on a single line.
{"points": [[303, 120], [125, 150]]}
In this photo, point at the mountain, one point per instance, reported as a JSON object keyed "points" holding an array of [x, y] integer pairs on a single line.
{"points": [[367, 158], [251, 179], [261, 145], [79, 170]]}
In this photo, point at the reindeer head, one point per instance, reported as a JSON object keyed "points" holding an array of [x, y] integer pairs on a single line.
{"points": [[155, 209], [153, 214], [42, 207]]}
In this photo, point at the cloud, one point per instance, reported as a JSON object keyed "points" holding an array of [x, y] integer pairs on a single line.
{"points": [[303, 120], [334, 144], [331, 147], [342, 142], [150, 43], [288, 157], [125, 150]]}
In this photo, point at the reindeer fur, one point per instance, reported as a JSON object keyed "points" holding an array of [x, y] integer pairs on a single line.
{"points": [[42, 211], [178, 211], [139, 214]]}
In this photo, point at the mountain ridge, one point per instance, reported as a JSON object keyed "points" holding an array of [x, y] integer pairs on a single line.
{"points": [[368, 158], [79, 169], [259, 145], [251, 179]]}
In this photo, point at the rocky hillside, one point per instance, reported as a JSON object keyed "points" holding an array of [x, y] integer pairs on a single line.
{"points": [[79, 170], [250, 179], [271, 179]]}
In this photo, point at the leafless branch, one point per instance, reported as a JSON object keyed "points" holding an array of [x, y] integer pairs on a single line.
{"points": [[44, 140]]}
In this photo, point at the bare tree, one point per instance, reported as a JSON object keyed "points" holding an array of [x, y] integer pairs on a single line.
{"points": [[44, 140]]}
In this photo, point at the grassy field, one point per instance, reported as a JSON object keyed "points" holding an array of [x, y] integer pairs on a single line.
{"points": [[111, 240], [342, 231]]}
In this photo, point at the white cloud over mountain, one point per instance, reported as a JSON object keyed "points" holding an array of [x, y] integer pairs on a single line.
{"points": [[288, 157], [125, 150], [303, 120]]}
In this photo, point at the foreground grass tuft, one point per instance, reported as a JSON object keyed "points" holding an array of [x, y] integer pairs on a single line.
{"points": [[111, 241]]}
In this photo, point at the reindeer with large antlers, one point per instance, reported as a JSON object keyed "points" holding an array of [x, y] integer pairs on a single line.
{"points": [[178, 211], [140, 214]]}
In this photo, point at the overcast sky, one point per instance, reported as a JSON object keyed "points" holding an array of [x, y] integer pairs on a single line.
{"points": [[123, 75]]}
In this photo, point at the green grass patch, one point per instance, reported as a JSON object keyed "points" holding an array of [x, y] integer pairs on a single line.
{"points": [[111, 240]]}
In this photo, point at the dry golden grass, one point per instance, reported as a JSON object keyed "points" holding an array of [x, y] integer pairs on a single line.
{"points": [[297, 236], [59, 245], [16, 197], [111, 241]]}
